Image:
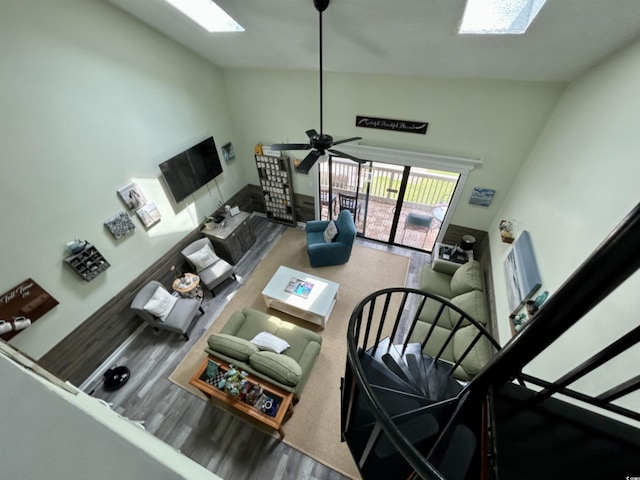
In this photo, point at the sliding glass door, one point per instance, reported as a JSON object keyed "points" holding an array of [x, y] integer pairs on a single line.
{"points": [[394, 204]]}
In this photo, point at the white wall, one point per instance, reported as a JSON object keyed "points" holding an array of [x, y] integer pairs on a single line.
{"points": [[91, 99], [579, 181], [496, 121], [50, 433]]}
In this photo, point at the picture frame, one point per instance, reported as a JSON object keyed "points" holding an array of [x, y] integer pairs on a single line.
{"points": [[132, 196], [149, 214], [120, 225], [228, 152], [521, 273], [482, 196]]}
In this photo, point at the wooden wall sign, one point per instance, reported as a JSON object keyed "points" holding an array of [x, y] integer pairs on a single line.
{"points": [[27, 300], [406, 126]]}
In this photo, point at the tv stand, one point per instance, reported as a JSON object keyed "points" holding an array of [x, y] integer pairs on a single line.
{"points": [[233, 237]]}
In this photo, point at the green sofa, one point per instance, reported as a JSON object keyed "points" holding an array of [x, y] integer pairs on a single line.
{"points": [[464, 289], [288, 370]]}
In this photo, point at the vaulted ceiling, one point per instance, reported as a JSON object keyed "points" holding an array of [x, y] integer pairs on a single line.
{"points": [[405, 37]]}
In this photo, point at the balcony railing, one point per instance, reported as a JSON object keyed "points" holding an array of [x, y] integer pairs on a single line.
{"points": [[424, 187], [425, 191]]}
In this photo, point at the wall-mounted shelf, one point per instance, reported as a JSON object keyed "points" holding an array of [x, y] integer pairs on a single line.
{"points": [[89, 263], [277, 189]]}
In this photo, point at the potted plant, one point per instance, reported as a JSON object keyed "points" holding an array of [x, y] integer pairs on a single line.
{"points": [[207, 223], [506, 231]]}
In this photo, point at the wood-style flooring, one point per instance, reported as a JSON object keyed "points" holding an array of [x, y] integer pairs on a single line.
{"points": [[222, 443]]}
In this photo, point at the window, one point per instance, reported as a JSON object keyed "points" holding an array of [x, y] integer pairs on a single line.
{"points": [[207, 14], [509, 17]]}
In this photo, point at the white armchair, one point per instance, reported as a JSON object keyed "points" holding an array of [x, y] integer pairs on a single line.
{"points": [[211, 269], [156, 306]]}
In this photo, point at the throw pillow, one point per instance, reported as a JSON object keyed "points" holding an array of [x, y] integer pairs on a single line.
{"points": [[268, 341], [203, 258], [160, 304], [330, 232], [280, 368]]}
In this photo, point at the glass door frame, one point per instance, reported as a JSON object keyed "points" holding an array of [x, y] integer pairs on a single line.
{"points": [[461, 165]]}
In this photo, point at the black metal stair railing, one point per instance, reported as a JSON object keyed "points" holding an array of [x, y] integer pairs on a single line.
{"points": [[396, 400], [439, 430]]}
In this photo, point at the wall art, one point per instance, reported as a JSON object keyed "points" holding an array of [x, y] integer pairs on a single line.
{"points": [[149, 214], [521, 273], [120, 225], [482, 196], [132, 196], [406, 126], [228, 152], [21, 306]]}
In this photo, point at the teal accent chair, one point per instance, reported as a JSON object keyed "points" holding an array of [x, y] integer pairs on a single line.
{"points": [[323, 254]]}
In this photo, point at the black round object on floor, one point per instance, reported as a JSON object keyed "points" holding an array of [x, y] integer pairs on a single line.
{"points": [[116, 377]]}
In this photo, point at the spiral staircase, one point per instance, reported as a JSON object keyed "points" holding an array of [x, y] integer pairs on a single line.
{"points": [[405, 415]]}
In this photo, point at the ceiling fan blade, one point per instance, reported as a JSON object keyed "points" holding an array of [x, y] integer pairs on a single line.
{"points": [[346, 155], [308, 162], [311, 133], [347, 140], [290, 146]]}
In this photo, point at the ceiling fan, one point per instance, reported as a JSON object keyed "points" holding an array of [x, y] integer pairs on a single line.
{"points": [[320, 144]]}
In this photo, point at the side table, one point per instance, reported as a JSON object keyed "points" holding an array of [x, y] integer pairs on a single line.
{"points": [[190, 290], [447, 260]]}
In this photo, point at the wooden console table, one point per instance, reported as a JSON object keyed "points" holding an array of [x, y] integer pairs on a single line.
{"points": [[285, 410], [234, 239]]}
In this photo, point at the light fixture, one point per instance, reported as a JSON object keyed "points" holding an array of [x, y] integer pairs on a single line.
{"points": [[499, 16], [207, 14], [467, 243]]}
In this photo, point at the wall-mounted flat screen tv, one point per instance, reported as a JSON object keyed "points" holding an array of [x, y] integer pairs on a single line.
{"points": [[192, 169]]}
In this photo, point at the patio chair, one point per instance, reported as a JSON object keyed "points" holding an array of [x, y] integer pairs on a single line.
{"points": [[418, 222], [350, 202], [330, 204]]}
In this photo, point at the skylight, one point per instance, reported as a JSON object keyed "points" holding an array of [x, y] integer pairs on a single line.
{"points": [[510, 17], [207, 14]]}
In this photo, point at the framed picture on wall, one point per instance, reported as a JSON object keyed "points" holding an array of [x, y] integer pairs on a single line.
{"points": [[227, 152], [482, 196], [521, 273], [149, 214], [132, 196]]}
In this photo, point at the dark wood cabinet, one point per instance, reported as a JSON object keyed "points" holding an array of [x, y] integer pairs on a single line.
{"points": [[89, 263], [277, 188], [232, 238]]}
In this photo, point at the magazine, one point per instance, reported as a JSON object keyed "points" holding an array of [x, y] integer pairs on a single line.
{"points": [[299, 287]]}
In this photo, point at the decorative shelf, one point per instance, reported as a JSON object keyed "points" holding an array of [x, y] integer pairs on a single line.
{"points": [[89, 263], [276, 184]]}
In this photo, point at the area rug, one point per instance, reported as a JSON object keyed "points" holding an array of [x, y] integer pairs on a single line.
{"points": [[314, 429]]}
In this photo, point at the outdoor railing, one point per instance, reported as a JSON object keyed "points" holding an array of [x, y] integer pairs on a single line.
{"points": [[423, 188]]}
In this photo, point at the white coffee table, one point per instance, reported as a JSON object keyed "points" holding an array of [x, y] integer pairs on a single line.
{"points": [[315, 309]]}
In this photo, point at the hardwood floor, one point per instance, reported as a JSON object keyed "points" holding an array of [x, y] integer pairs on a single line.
{"points": [[222, 443]]}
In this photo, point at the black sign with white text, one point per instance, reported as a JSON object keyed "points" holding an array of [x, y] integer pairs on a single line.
{"points": [[406, 126]]}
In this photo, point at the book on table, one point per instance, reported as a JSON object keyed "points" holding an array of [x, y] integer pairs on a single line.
{"points": [[299, 287]]}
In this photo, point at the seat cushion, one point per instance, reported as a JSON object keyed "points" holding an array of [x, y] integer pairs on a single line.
{"points": [[277, 366], [213, 275], [435, 282], [479, 355], [232, 346], [472, 303]]}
